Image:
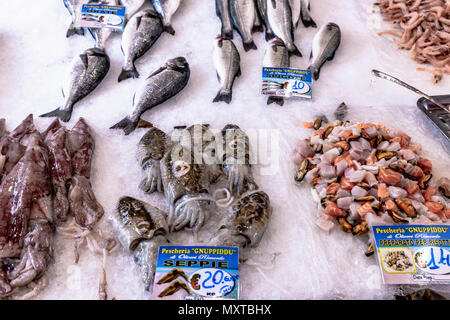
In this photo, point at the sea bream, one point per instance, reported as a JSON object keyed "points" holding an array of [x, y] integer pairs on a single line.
{"points": [[276, 56], [140, 33], [166, 8], [324, 46], [280, 19], [158, 87], [87, 71], [223, 12], [262, 9], [243, 18], [227, 62]]}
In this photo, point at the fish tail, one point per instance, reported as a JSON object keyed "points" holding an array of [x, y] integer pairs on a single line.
{"points": [[126, 125], [64, 115], [269, 35], [223, 96], [249, 45], [294, 50], [308, 22], [278, 100], [126, 74], [169, 29], [73, 30], [315, 72], [227, 33]]}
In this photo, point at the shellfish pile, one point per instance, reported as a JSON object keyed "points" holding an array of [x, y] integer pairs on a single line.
{"points": [[365, 174]]}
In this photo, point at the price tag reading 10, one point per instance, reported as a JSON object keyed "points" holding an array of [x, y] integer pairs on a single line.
{"points": [[212, 282]]}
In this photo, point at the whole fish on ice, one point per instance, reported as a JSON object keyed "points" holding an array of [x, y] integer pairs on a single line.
{"points": [[140, 33], [158, 87], [280, 19], [87, 71], [276, 56], [166, 8], [227, 62], [223, 12], [324, 46], [243, 18]]}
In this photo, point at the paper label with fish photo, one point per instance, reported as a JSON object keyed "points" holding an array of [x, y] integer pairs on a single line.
{"points": [[196, 273], [101, 16], [413, 254], [286, 83]]}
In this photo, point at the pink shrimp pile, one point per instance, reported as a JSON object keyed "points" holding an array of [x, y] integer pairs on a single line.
{"points": [[423, 28]]}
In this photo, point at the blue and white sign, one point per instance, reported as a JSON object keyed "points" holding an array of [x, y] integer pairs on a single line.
{"points": [[286, 83], [102, 16], [413, 253]]}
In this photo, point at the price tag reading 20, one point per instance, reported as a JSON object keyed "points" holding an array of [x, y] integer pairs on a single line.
{"points": [[212, 282]]}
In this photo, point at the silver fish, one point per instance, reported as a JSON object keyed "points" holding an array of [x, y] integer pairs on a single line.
{"points": [[324, 46], [276, 56], [295, 11], [140, 33], [305, 7], [158, 87], [101, 35], [227, 62], [73, 6], [166, 8], [87, 71], [243, 18], [262, 10], [280, 19], [132, 6], [223, 12]]}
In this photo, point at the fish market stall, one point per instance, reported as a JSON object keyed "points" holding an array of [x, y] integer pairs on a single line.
{"points": [[295, 258]]}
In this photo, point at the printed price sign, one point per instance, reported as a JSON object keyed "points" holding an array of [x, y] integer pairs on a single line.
{"points": [[102, 16], [410, 254], [196, 273], [286, 83]]}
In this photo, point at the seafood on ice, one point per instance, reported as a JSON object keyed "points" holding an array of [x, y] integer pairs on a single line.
{"points": [[44, 180], [423, 28], [223, 181], [365, 174]]}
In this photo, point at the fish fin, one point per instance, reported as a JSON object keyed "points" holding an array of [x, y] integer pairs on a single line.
{"points": [[269, 35], [138, 22], [126, 74], [64, 115], [331, 56], [295, 51], [159, 70], [62, 91], [73, 30], [310, 55], [223, 96], [309, 22], [256, 28], [169, 29], [218, 77], [239, 73], [144, 124], [84, 59], [134, 96], [249, 45], [277, 100], [126, 125], [274, 4], [315, 72]]}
